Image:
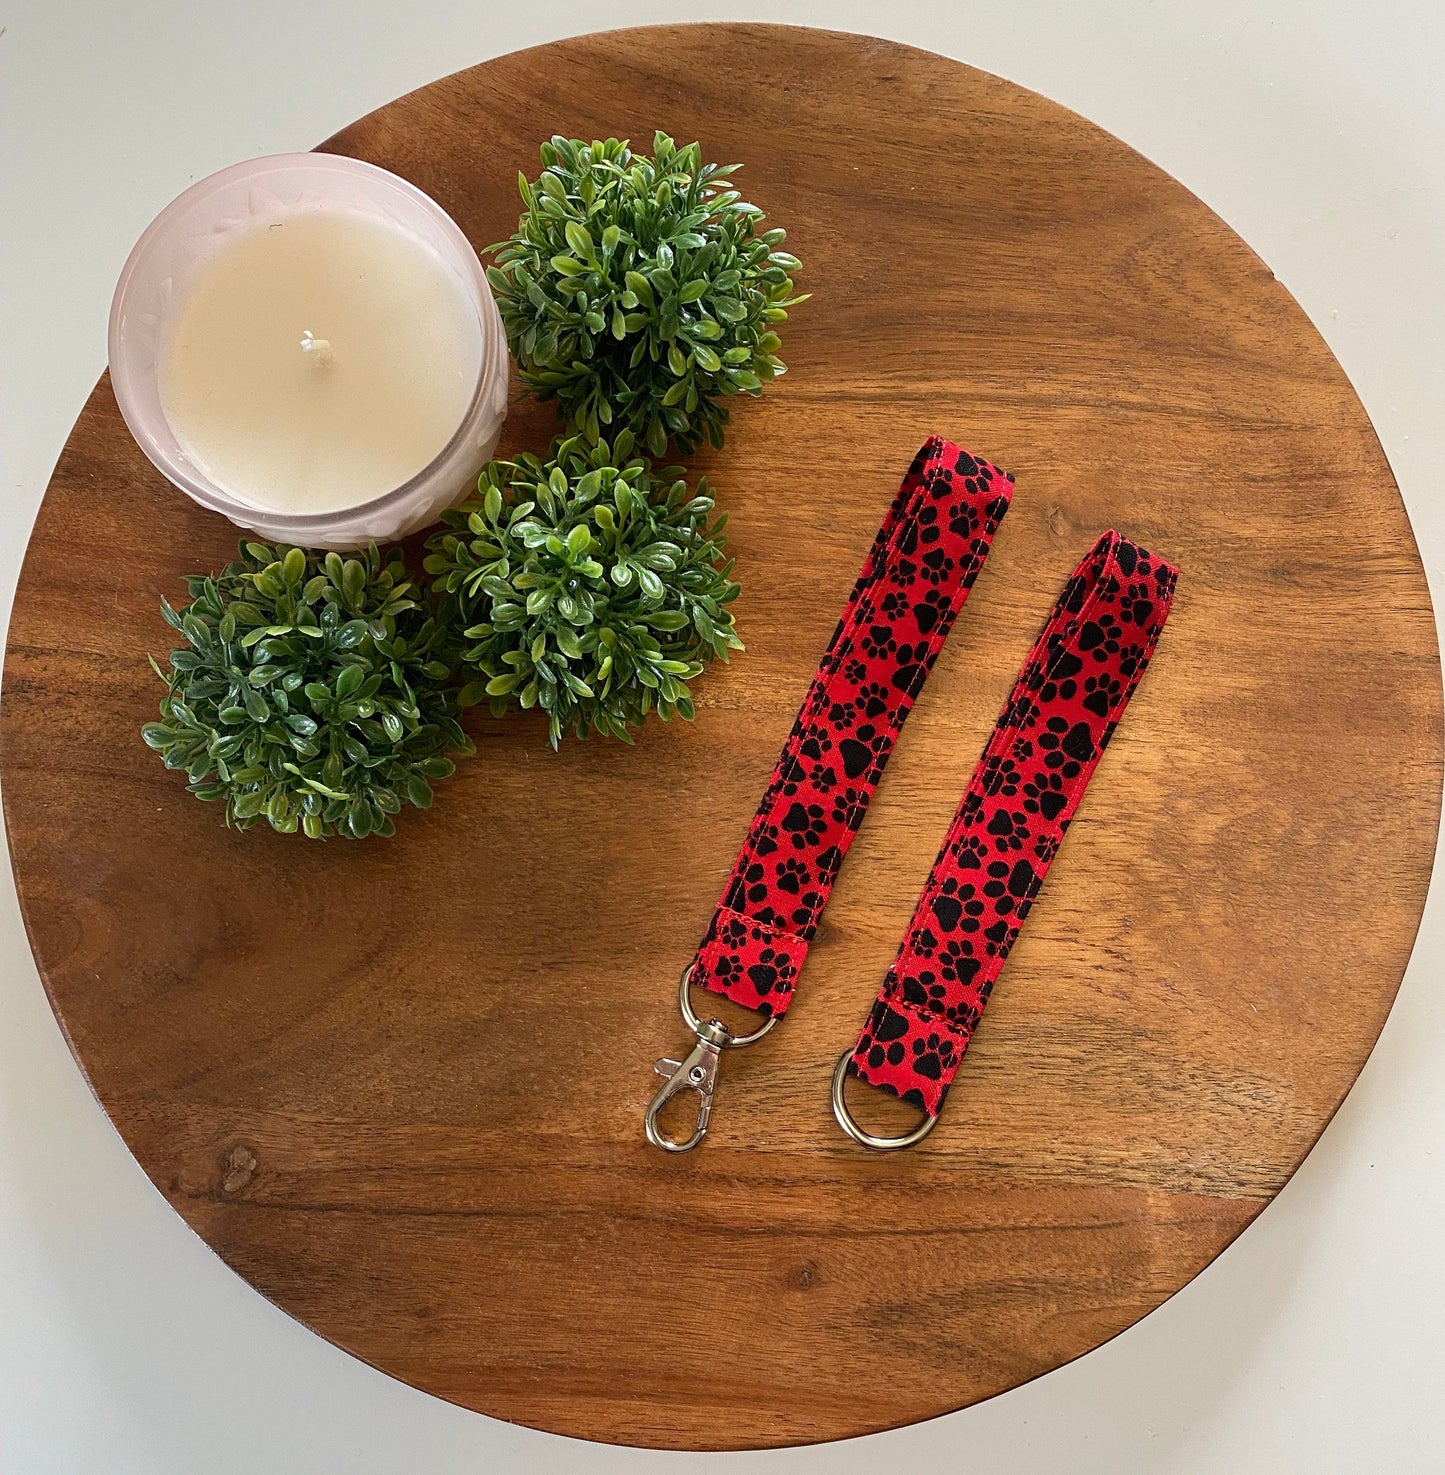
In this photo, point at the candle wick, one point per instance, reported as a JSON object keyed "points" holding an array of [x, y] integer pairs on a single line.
{"points": [[320, 347]]}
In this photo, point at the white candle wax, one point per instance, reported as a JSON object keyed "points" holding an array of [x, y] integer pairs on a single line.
{"points": [[319, 361]]}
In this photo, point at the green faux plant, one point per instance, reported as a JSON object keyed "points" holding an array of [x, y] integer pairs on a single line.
{"points": [[313, 692], [640, 293], [587, 585]]}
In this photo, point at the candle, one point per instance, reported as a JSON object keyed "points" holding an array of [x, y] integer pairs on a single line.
{"points": [[346, 416], [308, 345]]}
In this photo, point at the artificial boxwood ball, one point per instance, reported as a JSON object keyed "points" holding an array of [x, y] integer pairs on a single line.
{"points": [[639, 293]]}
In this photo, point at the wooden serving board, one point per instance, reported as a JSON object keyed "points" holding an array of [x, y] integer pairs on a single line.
{"points": [[398, 1086]]}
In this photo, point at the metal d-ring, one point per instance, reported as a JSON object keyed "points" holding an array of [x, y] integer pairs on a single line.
{"points": [[867, 1139], [695, 1024]]}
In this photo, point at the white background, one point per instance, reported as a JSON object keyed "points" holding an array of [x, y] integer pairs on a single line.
{"points": [[1317, 129]]}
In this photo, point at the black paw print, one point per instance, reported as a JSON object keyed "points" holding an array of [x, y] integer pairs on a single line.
{"points": [[912, 663], [1022, 750], [828, 862], [1131, 660], [958, 963], [1011, 888], [886, 1029], [937, 566], [1100, 693], [1071, 600], [916, 990], [822, 777], [931, 610], [933, 1055], [805, 914], [1136, 606], [1023, 714], [765, 840], [998, 939], [748, 886], [804, 822], [878, 641], [922, 943], [969, 852], [849, 807], [1046, 848], [790, 774], [733, 932], [971, 808], [1009, 829], [872, 700], [1044, 794], [772, 973], [904, 573], [963, 1014], [957, 908], [855, 671], [791, 876], [727, 969], [1066, 747], [893, 604], [1000, 776], [1059, 676], [926, 523], [863, 754], [816, 741], [1100, 637], [964, 521], [893, 1053]]}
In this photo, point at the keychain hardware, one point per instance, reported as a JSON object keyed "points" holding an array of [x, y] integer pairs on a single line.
{"points": [[697, 1072]]}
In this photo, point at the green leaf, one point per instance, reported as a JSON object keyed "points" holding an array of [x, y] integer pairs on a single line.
{"points": [[580, 240]]}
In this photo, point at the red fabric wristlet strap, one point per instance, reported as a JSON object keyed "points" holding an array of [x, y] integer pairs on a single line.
{"points": [[917, 575], [1069, 697]]}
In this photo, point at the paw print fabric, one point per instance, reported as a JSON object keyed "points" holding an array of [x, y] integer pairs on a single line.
{"points": [[1069, 697], [917, 575]]}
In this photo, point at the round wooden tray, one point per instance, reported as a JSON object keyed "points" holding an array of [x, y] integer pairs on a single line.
{"points": [[398, 1086]]}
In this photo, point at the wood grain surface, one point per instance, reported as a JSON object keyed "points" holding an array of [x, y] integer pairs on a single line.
{"points": [[398, 1086]]}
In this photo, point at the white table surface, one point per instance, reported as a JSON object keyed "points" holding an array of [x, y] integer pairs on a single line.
{"points": [[1317, 129]]}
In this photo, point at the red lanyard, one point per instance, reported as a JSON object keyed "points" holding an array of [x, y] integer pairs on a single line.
{"points": [[1067, 701], [917, 575]]}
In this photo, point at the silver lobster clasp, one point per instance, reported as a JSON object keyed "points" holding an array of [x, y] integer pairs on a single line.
{"points": [[698, 1072]]}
